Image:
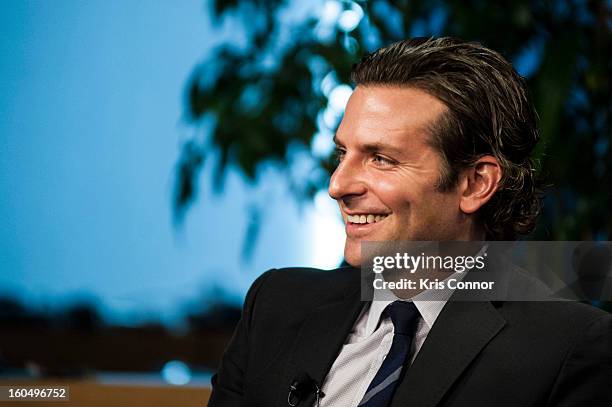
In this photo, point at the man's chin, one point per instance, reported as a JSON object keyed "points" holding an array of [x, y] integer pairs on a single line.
{"points": [[353, 247], [353, 257]]}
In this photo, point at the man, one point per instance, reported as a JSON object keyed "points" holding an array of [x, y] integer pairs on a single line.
{"points": [[434, 145]]}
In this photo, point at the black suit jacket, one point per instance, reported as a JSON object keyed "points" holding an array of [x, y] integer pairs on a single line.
{"points": [[476, 354]]}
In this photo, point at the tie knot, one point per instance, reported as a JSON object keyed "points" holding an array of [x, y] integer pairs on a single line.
{"points": [[404, 316]]}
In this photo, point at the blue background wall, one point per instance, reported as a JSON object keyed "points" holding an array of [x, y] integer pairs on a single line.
{"points": [[91, 103]]}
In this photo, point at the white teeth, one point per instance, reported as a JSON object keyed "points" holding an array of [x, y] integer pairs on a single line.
{"points": [[361, 219]]}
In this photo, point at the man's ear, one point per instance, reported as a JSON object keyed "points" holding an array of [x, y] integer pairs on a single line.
{"points": [[479, 183]]}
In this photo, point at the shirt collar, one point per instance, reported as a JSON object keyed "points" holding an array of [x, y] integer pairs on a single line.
{"points": [[429, 309]]}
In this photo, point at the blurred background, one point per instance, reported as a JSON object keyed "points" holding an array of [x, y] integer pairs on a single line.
{"points": [[157, 156]]}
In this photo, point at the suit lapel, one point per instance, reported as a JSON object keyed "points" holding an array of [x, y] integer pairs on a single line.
{"points": [[461, 331], [321, 338]]}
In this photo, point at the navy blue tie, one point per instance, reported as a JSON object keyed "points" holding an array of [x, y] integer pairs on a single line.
{"points": [[404, 316]]}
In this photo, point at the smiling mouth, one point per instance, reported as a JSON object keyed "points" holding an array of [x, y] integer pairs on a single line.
{"points": [[361, 219]]}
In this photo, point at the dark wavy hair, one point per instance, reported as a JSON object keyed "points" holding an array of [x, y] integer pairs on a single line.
{"points": [[489, 113]]}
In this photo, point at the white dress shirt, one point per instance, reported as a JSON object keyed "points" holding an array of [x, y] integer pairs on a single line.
{"points": [[369, 342], [365, 350]]}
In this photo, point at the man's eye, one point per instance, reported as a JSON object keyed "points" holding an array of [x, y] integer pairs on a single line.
{"points": [[339, 155], [381, 160]]}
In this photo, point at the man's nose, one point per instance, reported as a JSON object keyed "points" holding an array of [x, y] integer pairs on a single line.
{"points": [[346, 181]]}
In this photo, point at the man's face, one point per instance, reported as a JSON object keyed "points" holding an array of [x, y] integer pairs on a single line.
{"points": [[385, 183]]}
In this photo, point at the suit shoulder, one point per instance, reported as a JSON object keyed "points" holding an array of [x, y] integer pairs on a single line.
{"points": [[308, 275], [567, 309], [302, 284], [560, 318]]}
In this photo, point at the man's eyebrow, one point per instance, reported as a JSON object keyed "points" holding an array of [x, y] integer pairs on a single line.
{"points": [[374, 147], [381, 147]]}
